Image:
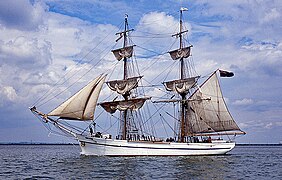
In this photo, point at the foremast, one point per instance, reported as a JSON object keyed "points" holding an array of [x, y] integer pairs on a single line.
{"points": [[125, 76], [124, 86]]}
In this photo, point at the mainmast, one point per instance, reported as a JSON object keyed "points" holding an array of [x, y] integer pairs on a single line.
{"points": [[183, 95], [181, 53], [205, 110]]}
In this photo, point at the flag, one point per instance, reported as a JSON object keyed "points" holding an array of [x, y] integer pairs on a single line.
{"points": [[183, 9], [226, 73]]}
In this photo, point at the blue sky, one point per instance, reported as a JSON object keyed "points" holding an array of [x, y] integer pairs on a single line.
{"points": [[40, 41]]}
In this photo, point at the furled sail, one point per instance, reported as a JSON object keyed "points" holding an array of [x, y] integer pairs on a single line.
{"points": [[180, 53], [81, 106], [125, 52], [181, 86], [124, 86], [132, 104], [207, 109]]}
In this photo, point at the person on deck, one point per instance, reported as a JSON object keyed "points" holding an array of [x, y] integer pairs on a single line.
{"points": [[209, 140], [91, 130]]}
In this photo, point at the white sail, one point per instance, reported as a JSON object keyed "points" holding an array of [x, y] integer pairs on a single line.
{"points": [[132, 104], [81, 106], [125, 52], [208, 107], [181, 86], [180, 53], [123, 86], [195, 124]]}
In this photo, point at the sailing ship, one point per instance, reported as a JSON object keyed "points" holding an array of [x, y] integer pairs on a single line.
{"points": [[202, 121]]}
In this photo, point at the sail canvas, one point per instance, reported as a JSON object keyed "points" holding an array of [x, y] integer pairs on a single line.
{"points": [[209, 107], [81, 106]]}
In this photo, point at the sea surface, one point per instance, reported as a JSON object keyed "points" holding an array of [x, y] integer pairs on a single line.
{"points": [[65, 162]]}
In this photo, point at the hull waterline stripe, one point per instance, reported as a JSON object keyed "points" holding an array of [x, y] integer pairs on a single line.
{"points": [[119, 146]]}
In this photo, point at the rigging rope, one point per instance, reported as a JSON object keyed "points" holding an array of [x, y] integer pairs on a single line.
{"points": [[158, 58], [48, 93], [74, 81]]}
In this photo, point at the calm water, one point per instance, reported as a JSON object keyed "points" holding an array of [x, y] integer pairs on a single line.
{"points": [[64, 162]]}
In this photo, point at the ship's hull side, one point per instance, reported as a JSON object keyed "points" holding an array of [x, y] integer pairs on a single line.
{"points": [[110, 147]]}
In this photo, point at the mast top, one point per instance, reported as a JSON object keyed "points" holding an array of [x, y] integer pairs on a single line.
{"points": [[183, 9], [183, 51], [123, 34], [124, 52], [179, 34]]}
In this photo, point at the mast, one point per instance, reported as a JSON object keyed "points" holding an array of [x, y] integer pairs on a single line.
{"points": [[183, 96], [124, 131], [183, 103], [181, 45], [126, 95], [125, 73], [124, 87], [205, 110], [124, 45]]}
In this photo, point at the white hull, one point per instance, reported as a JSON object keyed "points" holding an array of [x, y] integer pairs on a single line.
{"points": [[110, 147]]}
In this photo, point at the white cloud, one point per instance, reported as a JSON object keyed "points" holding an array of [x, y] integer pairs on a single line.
{"points": [[243, 102], [158, 22], [156, 28], [273, 124], [21, 14], [271, 15], [33, 61], [269, 125], [9, 93], [25, 52], [39, 48], [244, 125]]}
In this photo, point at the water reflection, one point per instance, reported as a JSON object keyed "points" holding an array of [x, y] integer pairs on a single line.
{"points": [[64, 162], [203, 167]]}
